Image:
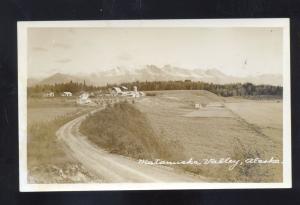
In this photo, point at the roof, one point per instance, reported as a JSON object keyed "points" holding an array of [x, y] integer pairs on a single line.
{"points": [[84, 96], [117, 89]]}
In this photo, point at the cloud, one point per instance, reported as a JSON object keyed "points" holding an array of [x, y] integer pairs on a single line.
{"points": [[124, 57]]}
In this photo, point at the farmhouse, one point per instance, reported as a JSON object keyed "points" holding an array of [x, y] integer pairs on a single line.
{"points": [[48, 94], [66, 94], [84, 99], [198, 106]]}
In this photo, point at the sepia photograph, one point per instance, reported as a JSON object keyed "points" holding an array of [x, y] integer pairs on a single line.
{"points": [[154, 104]]}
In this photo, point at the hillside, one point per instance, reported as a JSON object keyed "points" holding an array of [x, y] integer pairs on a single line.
{"points": [[123, 129], [63, 78]]}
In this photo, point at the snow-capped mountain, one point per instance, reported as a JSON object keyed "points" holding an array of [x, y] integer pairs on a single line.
{"points": [[165, 73]]}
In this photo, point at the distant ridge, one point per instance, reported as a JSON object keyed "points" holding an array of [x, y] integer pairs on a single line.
{"points": [[62, 78], [154, 73]]}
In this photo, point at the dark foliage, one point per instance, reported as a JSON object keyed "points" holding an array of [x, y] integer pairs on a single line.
{"points": [[234, 89], [58, 88]]}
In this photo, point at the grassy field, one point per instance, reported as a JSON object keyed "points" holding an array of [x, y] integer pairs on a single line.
{"points": [[165, 125], [47, 109], [46, 160], [265, 116], [242, 128]]}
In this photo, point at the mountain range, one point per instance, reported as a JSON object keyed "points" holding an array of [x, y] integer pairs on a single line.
{"points": [[155, 73]]}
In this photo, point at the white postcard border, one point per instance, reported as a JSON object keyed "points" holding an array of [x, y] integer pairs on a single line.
{"points": [[22, 94]]}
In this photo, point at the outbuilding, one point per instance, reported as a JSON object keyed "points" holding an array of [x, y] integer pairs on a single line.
{"points": [[66, 94]]}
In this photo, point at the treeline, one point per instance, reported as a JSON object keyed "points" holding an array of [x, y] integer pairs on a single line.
{"points": [[234, 89], [58, 88]]}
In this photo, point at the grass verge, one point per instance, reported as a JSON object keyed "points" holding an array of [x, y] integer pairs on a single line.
{"points": [[123, 129], [242, 172], [46, 159]]}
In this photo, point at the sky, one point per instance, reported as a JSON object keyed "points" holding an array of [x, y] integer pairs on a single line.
{"points": [[234, 51]]}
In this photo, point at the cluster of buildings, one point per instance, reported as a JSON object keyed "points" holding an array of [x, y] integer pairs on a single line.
{"points": [[85, 97], [123, 91], [52, 94]]}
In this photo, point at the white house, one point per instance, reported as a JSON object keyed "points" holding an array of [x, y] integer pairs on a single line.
{"points": [[66, 94], [198, 106], [49, 94], [84, 99]]}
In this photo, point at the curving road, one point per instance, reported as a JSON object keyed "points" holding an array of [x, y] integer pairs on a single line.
{"points": [[112, 167]]}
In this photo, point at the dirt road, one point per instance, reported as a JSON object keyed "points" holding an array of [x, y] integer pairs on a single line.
{"points": [[111, 167]]}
